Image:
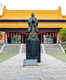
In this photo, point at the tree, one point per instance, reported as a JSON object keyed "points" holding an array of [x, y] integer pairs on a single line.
{"points": [[62, 32]]}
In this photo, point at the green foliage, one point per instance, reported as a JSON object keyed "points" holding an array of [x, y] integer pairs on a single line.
{"points": [[62, 32], [59, 56], [65, 51], [0, 35], [6, 56]]}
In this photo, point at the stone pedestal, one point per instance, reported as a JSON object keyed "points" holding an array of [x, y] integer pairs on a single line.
{"points": [[33, 49]]}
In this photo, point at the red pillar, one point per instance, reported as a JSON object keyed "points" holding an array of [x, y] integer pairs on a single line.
{"points": [[50, 34], [44, 37], [8, 34], [47, 34], [56, 36], [11, 35], [41, 37], [4, 36], [19, 35], [22, 38], [16, 35], [26, 34], [53, 35], [47, 37]]}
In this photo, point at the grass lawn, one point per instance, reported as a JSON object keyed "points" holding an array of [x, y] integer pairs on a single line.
{"points": [[6, 56], [59, 56]]}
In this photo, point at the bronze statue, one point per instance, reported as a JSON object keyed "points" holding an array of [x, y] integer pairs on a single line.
{"points": [[33, 23], [33, 42]]}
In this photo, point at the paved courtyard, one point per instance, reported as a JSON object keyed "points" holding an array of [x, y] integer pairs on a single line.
{"points": [[50, 69]]}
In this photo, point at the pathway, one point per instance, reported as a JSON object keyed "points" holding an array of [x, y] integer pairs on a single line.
{"points": [[50, 69]]}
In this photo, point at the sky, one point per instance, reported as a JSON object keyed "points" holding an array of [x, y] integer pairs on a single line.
{"points": [[34, 4]]}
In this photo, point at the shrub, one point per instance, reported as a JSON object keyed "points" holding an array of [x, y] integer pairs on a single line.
{"points": [[62, 32]]}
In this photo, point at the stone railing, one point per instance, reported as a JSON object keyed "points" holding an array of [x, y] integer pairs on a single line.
{"points": [[64, 45]]}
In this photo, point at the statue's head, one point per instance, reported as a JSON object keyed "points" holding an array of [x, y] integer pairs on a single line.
{"points": [[32, 15]]}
